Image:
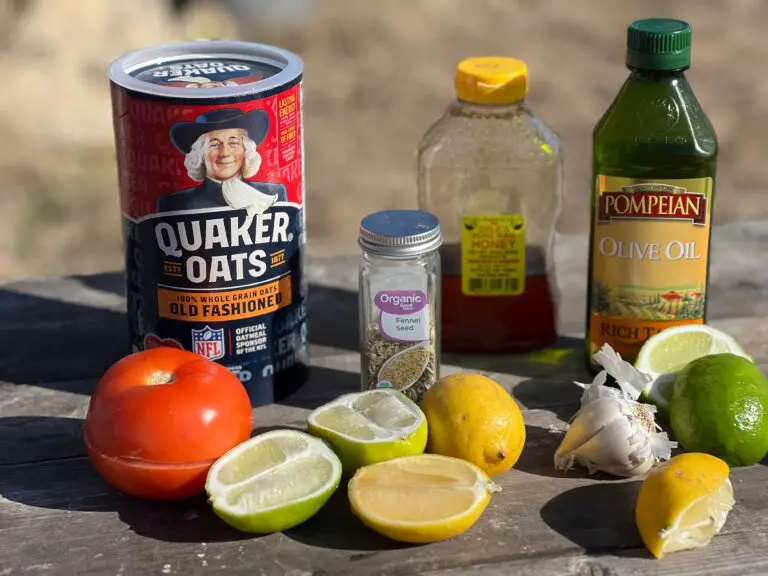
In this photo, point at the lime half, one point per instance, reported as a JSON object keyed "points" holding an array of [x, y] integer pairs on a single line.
{"points": [[666, 353], [273, 481], [370, 427]]}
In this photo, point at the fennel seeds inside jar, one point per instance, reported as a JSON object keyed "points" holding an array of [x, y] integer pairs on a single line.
{"points": [[400, 301]]}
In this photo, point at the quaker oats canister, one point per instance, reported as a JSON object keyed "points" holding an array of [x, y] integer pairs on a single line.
{"points": [[211, 174]]}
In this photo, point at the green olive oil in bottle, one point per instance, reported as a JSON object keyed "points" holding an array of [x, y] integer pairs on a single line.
{"points": [[654, 159]]}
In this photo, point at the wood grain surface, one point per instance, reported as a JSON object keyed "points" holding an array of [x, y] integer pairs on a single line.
{"points": [[58, 517]]}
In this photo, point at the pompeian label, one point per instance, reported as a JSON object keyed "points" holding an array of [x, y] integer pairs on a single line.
{"points": [[213, 210], [649, 259], [656, 201], [210, 73]]}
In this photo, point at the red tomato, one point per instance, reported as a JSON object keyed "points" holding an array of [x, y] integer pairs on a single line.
{"points": [[158, 419]]}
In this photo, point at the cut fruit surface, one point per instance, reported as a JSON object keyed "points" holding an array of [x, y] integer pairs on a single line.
{"points": [[666, 353], [369, 427], [423, 498], [683, 503], [273, 481]]}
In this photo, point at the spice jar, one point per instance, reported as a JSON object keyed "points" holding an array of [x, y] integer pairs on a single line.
{"points": [[400, 301]]}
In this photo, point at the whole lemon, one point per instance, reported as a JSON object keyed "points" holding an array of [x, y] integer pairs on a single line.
{"points": [[471, 417]]}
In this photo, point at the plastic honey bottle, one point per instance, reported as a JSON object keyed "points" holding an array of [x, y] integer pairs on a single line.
{"points": [[491, 171], [654, 159]]}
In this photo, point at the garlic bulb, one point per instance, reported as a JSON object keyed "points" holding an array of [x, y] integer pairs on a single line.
{"points": [[612, 432]]}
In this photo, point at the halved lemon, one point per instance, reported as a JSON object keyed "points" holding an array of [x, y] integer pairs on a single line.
{"points": [[368, 427], [423, 498], [666, 353], [683, 503], [273, 481]]}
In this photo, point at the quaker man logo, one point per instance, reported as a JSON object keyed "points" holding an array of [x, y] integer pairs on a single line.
{"points": [[220, 152], [653, 202], [202, 82], [208, 342]]}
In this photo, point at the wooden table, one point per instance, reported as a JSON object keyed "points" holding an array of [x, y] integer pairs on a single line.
{"points": [[58, 517]]}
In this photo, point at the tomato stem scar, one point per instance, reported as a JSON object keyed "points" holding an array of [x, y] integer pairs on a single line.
{"points": [[160, 377]]}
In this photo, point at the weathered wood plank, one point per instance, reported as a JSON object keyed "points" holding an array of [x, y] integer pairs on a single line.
{"points": [[737, 554], [61, 515], [43, 421], [56, 320], [57, 516], [80, 321], [39, 423]]}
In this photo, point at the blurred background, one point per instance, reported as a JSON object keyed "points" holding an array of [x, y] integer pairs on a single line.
{"points": [[377, 74]]}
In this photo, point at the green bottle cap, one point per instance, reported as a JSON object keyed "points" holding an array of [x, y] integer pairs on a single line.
{"points": [[659, 44]]}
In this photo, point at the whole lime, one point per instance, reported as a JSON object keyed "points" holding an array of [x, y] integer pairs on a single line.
{"points": [[719, 406]]}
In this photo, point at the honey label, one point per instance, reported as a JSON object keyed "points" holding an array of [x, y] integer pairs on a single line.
{"points": [[493, 255], [650, 245]]}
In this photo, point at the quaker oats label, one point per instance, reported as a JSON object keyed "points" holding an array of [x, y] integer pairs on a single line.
{"points": [[212, 197]]}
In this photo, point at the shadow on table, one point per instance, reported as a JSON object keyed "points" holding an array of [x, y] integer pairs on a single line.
{"points": [[72, 484], [538, 457], [348, 532], [566, 358], [562, 398], [538, 453], [112, 282], [46, 340], [35, 438], [599, 518], [333, 317], [324, 385]]}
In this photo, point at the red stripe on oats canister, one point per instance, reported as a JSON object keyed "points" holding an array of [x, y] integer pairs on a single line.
{"points": [[211, 174]]}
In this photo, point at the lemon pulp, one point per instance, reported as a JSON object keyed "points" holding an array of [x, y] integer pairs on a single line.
{"points": [[422, 498], [683, 503]]}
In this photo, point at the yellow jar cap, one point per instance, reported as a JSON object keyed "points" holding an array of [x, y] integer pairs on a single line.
{"points": [[491, 80]]}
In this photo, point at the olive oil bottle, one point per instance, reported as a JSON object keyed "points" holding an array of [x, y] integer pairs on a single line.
{"points": [[654, 160]]}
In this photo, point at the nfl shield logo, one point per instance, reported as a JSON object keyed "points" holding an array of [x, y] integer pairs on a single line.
{"points": [[208, 342]]}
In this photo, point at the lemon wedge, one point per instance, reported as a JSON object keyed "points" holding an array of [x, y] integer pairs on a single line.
{"points": [[418, 499], [368, 427], [273, 481], [683, 503]]}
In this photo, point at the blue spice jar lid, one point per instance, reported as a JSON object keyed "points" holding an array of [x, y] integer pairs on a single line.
{"points": [[400, 233]]}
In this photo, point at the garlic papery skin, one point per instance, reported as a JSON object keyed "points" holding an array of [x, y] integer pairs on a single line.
{"points": [[613, 435], [630, 380]]}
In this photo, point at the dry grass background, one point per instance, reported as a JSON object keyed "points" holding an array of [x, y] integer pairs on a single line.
{"points": [[377, 74]]}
